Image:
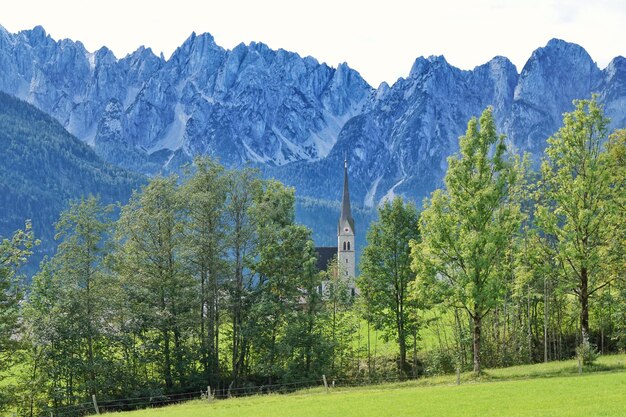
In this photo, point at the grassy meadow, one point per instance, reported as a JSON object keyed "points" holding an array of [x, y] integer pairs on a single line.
{"points": [[553, 389]]}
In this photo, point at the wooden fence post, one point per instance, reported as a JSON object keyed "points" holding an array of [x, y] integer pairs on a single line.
{"points": [[325, 383], [95, 403]]}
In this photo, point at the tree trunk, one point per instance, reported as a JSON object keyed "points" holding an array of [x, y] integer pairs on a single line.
{"points": [[476, 342], [178, 355], [402, 345], [584, 306], [414, 353], [167, 366], [545, 320], [236, 321], [204, 343], [369, 352]]}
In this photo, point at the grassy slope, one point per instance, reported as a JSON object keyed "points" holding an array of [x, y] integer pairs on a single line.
{"points": [[552, 389]]}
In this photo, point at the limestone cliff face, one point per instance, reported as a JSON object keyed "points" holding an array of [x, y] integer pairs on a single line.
{"points": [[249, 104], [294, 117]]}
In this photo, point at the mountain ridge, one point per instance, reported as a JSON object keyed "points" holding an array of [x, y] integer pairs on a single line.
{"points": [[294, 117]]}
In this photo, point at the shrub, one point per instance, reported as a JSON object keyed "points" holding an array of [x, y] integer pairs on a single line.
{"points": [[587, 353]]}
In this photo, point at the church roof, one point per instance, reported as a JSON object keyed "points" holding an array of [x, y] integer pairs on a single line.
{"points": [[324, 255], [346, 213]]}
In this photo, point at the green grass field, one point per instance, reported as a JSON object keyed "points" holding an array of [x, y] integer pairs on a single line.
{"points": [[553, 389]]}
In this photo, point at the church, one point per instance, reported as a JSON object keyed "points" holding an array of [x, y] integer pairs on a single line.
{"points": [[345, 250]]}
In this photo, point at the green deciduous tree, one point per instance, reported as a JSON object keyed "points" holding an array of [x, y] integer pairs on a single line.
{"points": [[576, 208], [203, 200], [286, 280], [159, 286], [83, 230], [617, 161], [241, 248], [467, 228], [69, 310], [337, 318], [14, 252], [386, 274]]}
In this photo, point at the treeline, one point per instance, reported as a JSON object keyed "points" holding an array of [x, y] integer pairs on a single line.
{"points": [[207, 279], [202, 281], [507, 264]]}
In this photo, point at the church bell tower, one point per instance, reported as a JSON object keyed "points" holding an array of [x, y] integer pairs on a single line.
{"points": [[345, 236]]}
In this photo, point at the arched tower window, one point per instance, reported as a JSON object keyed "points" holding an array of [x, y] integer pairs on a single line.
{"points": [[348, 245], [344, 245]]}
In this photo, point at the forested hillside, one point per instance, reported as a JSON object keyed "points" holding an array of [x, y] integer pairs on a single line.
{"points": [[42, 167]]}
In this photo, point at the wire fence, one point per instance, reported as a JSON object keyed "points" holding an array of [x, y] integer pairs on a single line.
{"points": [[210, 394]]}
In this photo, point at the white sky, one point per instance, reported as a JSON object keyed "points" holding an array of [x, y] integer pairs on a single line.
{"points": [[380, 39]]}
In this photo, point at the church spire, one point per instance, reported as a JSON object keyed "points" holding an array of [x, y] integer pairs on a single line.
{"points": [[346, 213], [346, 250]]}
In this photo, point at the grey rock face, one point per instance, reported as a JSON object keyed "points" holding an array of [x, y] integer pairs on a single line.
{"points": [[296, 118], [249, 104], [550, 80]]}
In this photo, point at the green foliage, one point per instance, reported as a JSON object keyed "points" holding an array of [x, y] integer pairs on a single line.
{"points": [[386, 274], [68, 307], [468, 228], [587, 354], [14, 252], [577, 205], [204, 247], [159, 287]]}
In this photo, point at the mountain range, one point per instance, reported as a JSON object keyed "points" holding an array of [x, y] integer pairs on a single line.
{"points": [[295, 118]]}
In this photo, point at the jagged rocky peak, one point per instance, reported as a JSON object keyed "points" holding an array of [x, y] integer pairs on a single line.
{"points": [[496, 81], [556, 74], [615, 71], [612, 92], [199, 42], [6, 39], [551, 79], [199, 56], [423, 65], [36, 35], [500, 69], [141, 64], [104, 56], [419, 67], [274, 108]]}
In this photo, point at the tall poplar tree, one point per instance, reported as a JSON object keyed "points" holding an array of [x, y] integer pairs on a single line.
{"points": [[467, 228], [83, 231], [285, 278], [617, 161]]}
